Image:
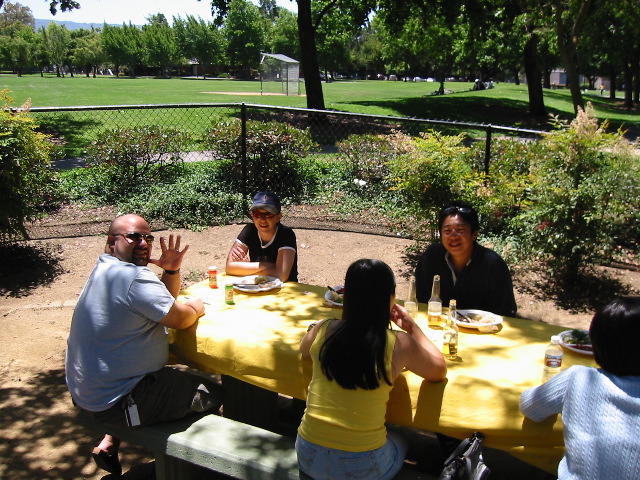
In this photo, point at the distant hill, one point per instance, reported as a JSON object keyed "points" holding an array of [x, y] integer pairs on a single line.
{"points": [[70, 25]]}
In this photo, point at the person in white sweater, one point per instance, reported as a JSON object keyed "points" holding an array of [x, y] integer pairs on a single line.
{"points": [[600, 407]]}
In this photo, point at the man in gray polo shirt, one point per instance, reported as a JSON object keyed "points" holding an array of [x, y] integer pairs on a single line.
{"points": [[117, 348]]}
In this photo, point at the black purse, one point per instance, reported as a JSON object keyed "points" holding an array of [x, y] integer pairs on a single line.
{"points": [[466, 462]]}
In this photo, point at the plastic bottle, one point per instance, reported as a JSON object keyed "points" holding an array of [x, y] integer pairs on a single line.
{"points": [[450, 334], [434, 310], [552, 358], [411, 303], [213, 276]]}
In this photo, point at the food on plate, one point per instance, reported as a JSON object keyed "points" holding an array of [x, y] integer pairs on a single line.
{"points": [[258, 283], [485, 322], [578, 339], [335, 294], [257, 280], [477, 318]]}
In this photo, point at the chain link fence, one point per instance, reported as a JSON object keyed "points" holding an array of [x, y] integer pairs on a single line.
{"points": [[73, 129]]}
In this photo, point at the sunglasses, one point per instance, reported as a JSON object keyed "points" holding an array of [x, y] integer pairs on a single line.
{"points": [[451, 210], [262, 215], [136, 237]]}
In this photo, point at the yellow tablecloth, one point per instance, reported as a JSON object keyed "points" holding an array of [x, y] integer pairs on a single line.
{"points": [[256, 340]]}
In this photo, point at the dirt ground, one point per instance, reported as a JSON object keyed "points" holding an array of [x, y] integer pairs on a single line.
{"points": [[39, 438]]}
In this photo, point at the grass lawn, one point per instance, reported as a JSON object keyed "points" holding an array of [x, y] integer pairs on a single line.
{"points": [[507, 104]]}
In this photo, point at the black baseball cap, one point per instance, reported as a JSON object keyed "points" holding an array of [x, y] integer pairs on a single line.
{"points": [[268, 201]]}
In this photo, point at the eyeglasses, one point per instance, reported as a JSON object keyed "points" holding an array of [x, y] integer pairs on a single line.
{"points": [[262, 215], [136, 237], [454, 209]]}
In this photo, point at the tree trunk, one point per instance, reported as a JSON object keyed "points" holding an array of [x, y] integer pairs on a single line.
{"points": [[534, 77], [568, 45], [627, 75], [612, 82], [636, 80], [309, 56], [546, 78]]}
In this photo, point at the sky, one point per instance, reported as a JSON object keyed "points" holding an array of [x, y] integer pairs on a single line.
{"points": [[134, 11]]}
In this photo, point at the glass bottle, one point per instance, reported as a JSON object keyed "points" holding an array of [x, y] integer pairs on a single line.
{"points": [[450, 334], [552, 358], [411, 303], [434, 310]]}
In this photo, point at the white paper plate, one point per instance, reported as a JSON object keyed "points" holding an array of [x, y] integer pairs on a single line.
{"points": [[247, 284], [496, 319], [327, 296], [570, 347]]}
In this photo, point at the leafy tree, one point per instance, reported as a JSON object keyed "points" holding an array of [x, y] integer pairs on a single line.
{"points": [[56, 38], [65, 5], [15, 14], [243, 30], [17, 38], [198, 40], [112, 43], [21, 49], [430, 38], [369, 50], [88, 54], [282, 35], [569, 18], [161, 46], [135, 49], [123, 46], [41, 57], [333, 37]]}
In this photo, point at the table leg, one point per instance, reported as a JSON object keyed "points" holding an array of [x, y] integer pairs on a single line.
{"points": [[249, 404]]}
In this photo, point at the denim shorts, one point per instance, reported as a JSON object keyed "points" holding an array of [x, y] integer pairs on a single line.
{"points": [[322, 463]]}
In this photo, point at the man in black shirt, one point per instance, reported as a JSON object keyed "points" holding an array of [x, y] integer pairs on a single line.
{"points": [[477, 277]]}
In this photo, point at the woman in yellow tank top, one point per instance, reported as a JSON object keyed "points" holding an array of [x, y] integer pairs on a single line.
{"points": [[355, 362]]}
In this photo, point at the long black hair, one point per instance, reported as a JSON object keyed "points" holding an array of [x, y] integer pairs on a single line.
{"points": [[612, 332], [354, 355]]}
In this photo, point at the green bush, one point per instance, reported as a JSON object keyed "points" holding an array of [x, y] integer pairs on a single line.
{"points": [[584, 190], [28, 183], [368, 157], [504, 192], [128, 158], [434, 171], [198, 199], [274, 151]]}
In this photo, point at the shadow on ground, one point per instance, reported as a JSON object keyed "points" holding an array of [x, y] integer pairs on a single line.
{"points": [[25, 267], [589, 292], [38, 413]]}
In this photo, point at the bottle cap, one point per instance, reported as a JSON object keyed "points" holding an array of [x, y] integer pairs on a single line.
{"points": [[555, 339], [213, 267]]}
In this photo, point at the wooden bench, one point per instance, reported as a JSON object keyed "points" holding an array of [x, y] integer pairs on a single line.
{"points": [[214, 447]]}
